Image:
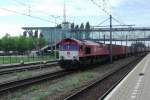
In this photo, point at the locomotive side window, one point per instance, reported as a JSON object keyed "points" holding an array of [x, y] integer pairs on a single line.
{"points": [[81, 48], [87, 50]]}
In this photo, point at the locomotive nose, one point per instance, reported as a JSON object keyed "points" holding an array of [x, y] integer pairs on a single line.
{"points": [[68, 53]]}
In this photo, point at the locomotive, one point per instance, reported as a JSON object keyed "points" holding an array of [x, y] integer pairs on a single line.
{"points": [[75, 53]]}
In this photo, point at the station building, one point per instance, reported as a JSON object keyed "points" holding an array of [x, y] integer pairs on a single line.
{"points": [[54, 34], [51, 34]]}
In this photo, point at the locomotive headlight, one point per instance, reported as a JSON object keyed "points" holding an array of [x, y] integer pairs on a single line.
{"points": [[74, 57]]}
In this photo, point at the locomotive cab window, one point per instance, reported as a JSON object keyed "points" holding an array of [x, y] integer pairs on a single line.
{"points": [[87, 50], [71, 47]]}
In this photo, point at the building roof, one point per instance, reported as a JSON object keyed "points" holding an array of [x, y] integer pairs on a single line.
{"points": [[28, 28]]}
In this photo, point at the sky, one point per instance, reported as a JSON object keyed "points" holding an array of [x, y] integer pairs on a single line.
{"points": [[15, 14]]}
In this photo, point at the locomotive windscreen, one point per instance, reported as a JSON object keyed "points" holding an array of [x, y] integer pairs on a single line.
{"points": [[70, 47]]}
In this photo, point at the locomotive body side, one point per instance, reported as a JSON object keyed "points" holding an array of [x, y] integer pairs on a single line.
{"points": [[90, 49], [75, 53]]}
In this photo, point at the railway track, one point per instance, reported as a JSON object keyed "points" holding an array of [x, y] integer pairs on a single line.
{"points": [[29, 66], [98, 89], [16, 84]]}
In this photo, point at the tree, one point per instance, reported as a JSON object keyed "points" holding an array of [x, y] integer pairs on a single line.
{"points": [[87, 27], [59, 26], [8, 43], [36, 34], [25, 33], [21, 44], [138, 44], [41, 35], [30, 33], [72, 26], [87, 34], [82, 26], [0, 44], [30, 43], [41, 42], [76, 27], [81, 32]]}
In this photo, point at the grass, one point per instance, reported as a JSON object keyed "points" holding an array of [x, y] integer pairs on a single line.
{"points": [[24, 74], [40, 92], [23, 58]]}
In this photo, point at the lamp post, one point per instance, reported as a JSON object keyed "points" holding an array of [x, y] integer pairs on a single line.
{"points": [[111, 55], [55, 40]]}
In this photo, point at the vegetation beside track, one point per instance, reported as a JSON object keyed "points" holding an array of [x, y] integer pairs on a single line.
{"points": [[59, 87], [23, 58], [39, 92]]}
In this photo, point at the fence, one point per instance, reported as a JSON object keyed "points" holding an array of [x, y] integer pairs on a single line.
{"points": [[17, 58]]}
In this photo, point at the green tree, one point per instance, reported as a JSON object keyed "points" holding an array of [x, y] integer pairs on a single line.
{"points": [[82, 26], [138, 44], [59, 26], [36, 34], [30, 33], [41, 42], [0, 44], [72, 30], [81, 32], [7, 43], [25, 33], [76, 27], [22, 45], [72, 26], [41, 35], [87, 28]]}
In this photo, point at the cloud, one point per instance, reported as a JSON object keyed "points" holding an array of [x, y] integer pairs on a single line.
{"points": [[13, 30], [12, 10], [4, 12], [55, 7], [77, 11], [116, 3]]}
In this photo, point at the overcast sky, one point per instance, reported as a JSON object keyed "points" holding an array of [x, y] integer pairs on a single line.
{"points": [[127, 11]]}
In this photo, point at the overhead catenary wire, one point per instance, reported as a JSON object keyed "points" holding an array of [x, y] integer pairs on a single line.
{"points": [[103, 21], [15, 3], [104, 10], [121, 23], [50, 15], [20, 2], [35, 17], [100, 7], [31, 9]]}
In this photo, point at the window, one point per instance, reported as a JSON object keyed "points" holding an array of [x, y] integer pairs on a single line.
{"points": [[87, 50], [81, 48], [71, 47]]}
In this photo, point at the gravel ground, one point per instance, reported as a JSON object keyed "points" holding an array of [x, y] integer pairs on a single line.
{"points": [[57, 89], [24, 74]]}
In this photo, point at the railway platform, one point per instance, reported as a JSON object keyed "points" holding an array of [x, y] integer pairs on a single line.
{"points": [[136, 85]]}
